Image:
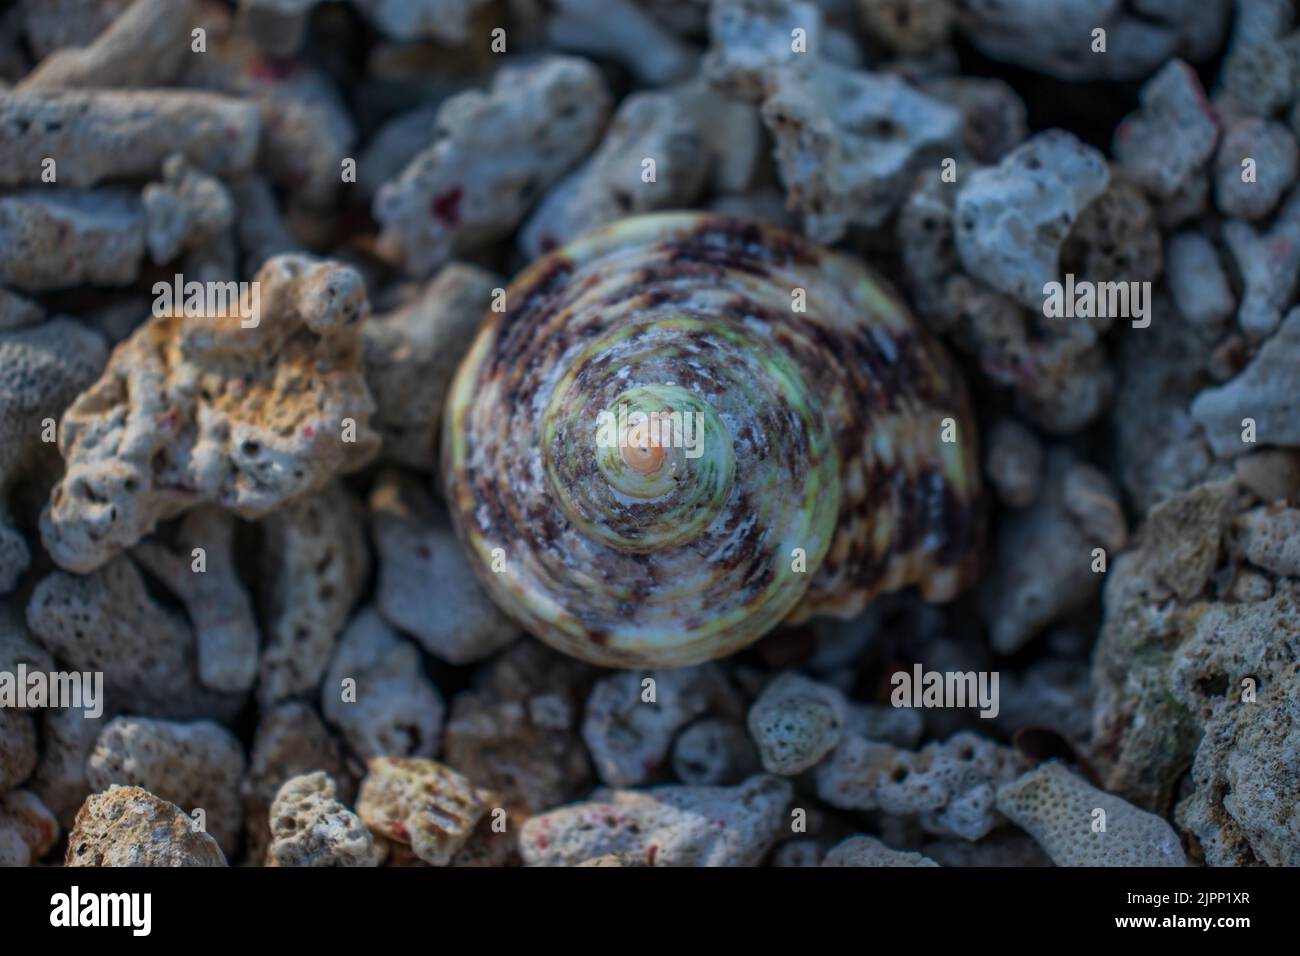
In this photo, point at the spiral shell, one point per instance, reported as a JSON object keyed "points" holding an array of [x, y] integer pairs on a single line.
{"points": [[819, 476]]}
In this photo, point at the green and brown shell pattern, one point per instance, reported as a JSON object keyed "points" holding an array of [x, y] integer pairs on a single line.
{"points": [[821, 436]]}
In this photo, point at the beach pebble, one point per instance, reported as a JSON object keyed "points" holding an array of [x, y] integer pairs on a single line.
{"points": [[1059, 810], [390, 708], [96, 135], [291, 741], [315, 566], [493, 154], [624, 31], [1197, 281], [57, 240], [629, 736], [868, 851], [1262, 393], [142, 48], [128, 826], [310, 827], [516, 731], [42, 368], [1045, 553], [421, 565], [1013, 462], [215, 598], [664, 826], [1171, 136], [17, 748], [948, 786], [411, 355], [1271, 149], [108, 622], [190, 411], [1270, 539], [197, 766], [27, 828], [1011, 219], [1268, 262], [421, 803], [714, 752], [847, 143], [795, 722]]}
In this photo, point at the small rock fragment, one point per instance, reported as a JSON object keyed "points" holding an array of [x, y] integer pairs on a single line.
{"points": [[421, 803], [1013, 462], [1011, 219], [310, 827], [215, 598], [1272, 149], [42, 368], [1270, 539], [1185, 532], [27, 829], [107, 621], [751, 44], [190, 410], [670, 129], [1197, 281], [714, 752], [621, 30], [847, 144], [1059, 810], [1268, 263], [868, 851], [128, 826], [68, 737], [57, 240], [795, 723], [104, 134], [393, 709], [421, 566], [1264, 392], [412, 353], [185, 211], [316, 567], [17, 748], [1172, 136], [1270, 473], [196, 766], [1057, 38], [493, 154], [291, 740], [516, 731], [142, 48], [629, 736], [1044, 568], [664, 826], [948, 787]]}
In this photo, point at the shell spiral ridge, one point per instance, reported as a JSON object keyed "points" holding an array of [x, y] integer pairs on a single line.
{"points": [[653, 459]]}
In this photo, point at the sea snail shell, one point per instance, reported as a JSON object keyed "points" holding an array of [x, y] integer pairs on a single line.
{"points": [[818, 433]]}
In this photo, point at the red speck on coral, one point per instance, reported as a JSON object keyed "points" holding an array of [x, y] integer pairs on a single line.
{"points": [[542, 843], [308, 432], [650, 855], [446, 206], [400, 831]]}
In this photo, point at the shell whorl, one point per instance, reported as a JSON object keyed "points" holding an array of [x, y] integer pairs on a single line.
{"points": [[817, 430]]}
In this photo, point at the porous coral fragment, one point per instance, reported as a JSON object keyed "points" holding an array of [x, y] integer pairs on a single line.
{"points": [[247, 408]]}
